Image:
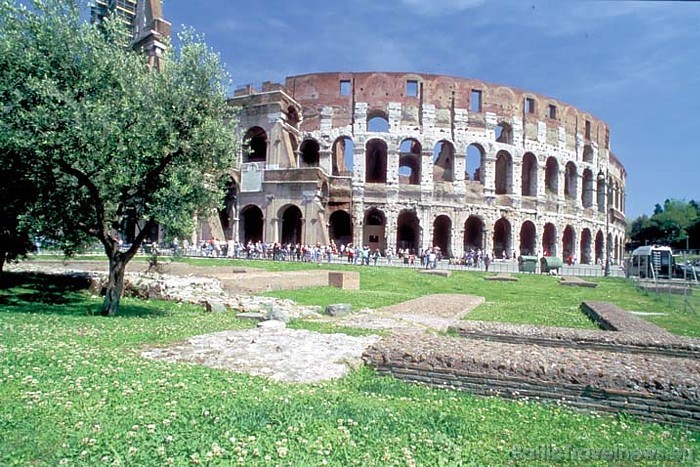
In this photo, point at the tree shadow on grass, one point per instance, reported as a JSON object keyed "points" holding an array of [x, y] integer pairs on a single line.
{"points": [[66, 295]]}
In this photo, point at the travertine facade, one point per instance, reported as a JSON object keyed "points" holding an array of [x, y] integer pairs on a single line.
{"points": [[415, 160]]}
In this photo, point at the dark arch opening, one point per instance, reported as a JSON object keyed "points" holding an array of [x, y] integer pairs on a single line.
{"points": [[340, 227], [588, 154], [255, 145], [504, 173], [309, 150], [528, 239], [473, 233], [586, 246], [374, 229], [529, 185], [551, 176], [599, 246], [587, 192], [292, 116], [442, 235], [570, 181], [227, 214], [567, 242], [501, 239], [408, 231], [443, 162], [291, 225], [549, 240], [504, 133], [409, 162], [252, 223], [375, 161]]}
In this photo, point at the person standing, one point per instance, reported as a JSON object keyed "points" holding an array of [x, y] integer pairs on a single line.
{"points": [[487, 262]]}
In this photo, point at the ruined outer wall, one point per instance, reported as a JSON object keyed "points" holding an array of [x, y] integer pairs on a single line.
{"points": [[450, 97]]}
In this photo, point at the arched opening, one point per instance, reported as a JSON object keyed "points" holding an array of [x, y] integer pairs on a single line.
{"points": [[291, 225], [343, 153], [377, 122], [374, 229], [443, 162], [504, 133], [570, 181], [528, 239], [340, 228], [408, 231], [599, 247], [442, 234], [227, 214], [529, 185], [292, 116], [568, 242], [501, 239], [551, 176], [251, 221], [504, 173], [587, 192], [586, 246], [549, 240], [473, 234], [409, 162], [309, 152], [588, 154], [375, 161], [600, 189], [255, 145], [475, 158]]}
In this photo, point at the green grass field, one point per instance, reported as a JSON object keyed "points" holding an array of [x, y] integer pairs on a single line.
{"points": [[74, 390]]}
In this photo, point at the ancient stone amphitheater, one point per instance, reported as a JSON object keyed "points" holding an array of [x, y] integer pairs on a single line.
{"points": [[412, 160]]}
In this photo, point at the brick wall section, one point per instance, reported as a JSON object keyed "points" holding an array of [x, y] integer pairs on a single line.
{"points": [[585, 339], [613, 318], [651, 387], [656, 409]]}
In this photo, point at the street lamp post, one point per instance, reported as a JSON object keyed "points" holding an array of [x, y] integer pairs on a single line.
{"points": [[607, 220]]}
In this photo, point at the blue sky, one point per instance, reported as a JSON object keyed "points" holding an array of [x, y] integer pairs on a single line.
{"points": [[636, 65]]}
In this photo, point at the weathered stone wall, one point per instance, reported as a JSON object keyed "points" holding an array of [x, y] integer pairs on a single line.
{"points": [[651, 387], [516, 132]]}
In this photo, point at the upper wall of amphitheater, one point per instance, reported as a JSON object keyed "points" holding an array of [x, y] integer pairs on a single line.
{"points": [[414, 100]]}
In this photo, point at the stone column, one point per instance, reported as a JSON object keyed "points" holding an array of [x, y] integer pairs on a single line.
{"points": [[579, 188], [489, 171], [392, 168]]}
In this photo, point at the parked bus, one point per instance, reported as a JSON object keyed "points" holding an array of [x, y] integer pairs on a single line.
{"points": [[650, 262]]}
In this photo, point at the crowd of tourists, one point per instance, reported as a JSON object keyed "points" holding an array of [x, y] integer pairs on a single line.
{"points": [[428, 258]]}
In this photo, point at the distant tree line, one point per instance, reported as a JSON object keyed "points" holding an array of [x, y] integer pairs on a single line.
{"points": [[675, 223]]}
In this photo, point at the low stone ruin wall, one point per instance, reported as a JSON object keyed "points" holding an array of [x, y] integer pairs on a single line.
{"points": [[613, 318], [584, 339], [656, 388]]}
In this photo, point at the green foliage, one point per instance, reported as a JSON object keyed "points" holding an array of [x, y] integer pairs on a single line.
{"points": [[74, 390], [671, 224], [111, 141]]}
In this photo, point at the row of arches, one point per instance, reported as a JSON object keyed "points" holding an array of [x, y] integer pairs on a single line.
{"points": [[501, 239], [410, 166]]}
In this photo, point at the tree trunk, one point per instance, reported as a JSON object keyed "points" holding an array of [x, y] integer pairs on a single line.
{"points": [[115, 285], [3, 256]]}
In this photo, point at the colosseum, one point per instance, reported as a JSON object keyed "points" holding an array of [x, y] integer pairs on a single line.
{"points": [[412, 160]]}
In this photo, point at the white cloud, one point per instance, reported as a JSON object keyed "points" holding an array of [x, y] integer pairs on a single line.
{"points": [[440, 7]]}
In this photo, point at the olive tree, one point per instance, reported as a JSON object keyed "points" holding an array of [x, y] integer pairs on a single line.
{"points": [[111, 140]]}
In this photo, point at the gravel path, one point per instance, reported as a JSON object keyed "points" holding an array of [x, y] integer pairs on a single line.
{"points": [[428, 313]]}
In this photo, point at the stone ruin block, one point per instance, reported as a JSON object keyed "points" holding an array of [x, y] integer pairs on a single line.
{"points": [[344, 280]]}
